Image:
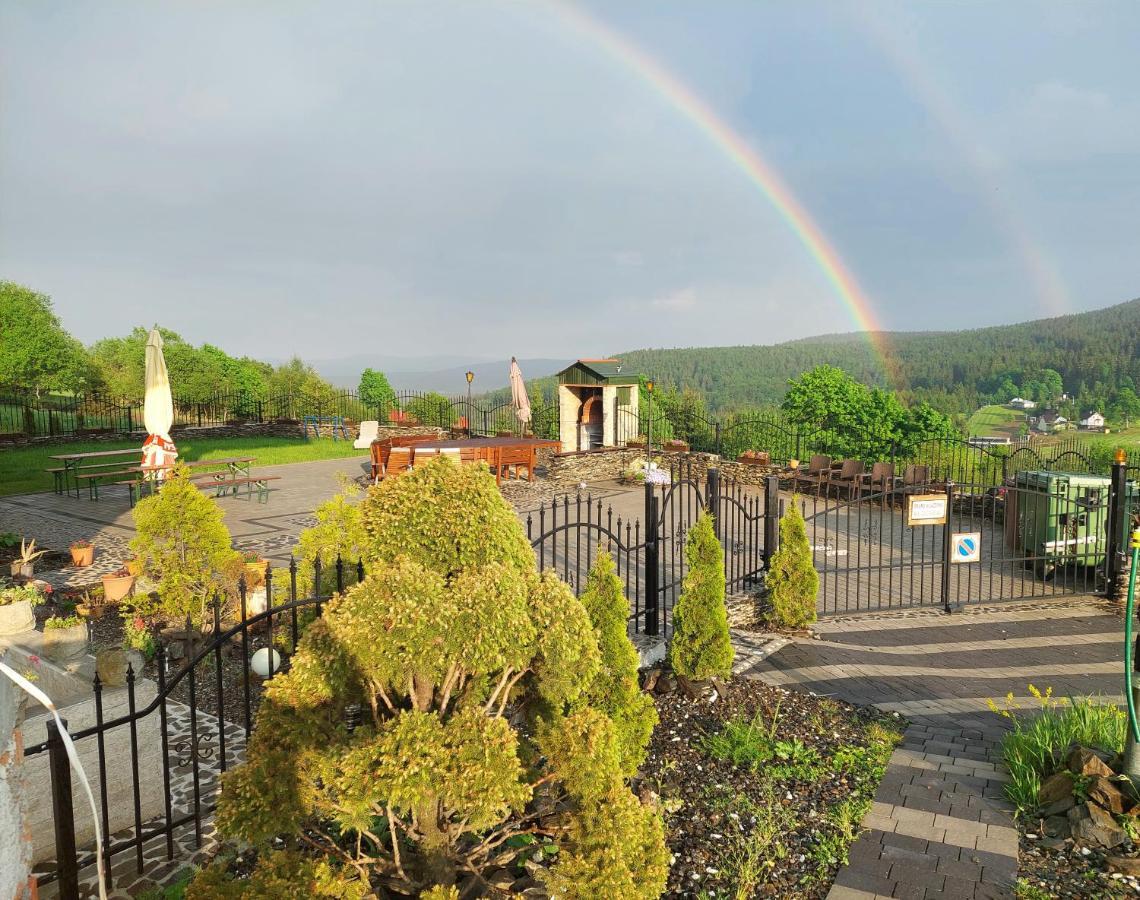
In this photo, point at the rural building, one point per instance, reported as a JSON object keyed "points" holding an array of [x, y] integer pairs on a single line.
{"points": [[1047, 421], [597, 404], [1092, 421], [1022, 403]]}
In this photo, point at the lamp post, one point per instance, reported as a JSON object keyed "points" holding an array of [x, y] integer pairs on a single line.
{"points": [[470, 377], [649, 427]]}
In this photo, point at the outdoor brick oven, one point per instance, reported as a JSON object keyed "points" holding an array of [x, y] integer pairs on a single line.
{"points": [[597, 405]]}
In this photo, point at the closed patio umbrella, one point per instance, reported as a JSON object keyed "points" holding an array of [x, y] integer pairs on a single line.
{"points": [[159, 451], [518, 393]]}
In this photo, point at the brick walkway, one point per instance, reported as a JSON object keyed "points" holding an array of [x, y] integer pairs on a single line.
{"points": [[940, 826]]}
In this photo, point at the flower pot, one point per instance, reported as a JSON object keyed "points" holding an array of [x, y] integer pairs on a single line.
{"points": [[17, 617], [116, 587], [82, 556], [255, 571], [22, 569], [90, 610], [65, 645]]}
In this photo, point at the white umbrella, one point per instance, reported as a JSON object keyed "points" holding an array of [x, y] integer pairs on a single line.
{"points": [[158, 409], [518, 393]]}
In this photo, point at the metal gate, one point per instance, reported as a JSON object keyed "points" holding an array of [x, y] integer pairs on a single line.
{"points": [[1024, 539]]}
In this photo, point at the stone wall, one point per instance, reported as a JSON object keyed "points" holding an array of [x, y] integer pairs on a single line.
{"points": [[602, 465], [16, 857]]}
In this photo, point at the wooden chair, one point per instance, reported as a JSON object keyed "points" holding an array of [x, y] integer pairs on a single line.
{"points": [[846, 479], [915, 479], [422, 456], [880, 480], [399, 460], [452, 453], [815, 474], [512, 459]]}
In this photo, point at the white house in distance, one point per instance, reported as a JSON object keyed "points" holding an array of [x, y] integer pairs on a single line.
{"points": [[1092, 421], [1022, 403]]}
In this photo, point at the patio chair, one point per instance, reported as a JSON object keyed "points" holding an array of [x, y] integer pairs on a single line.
{"points": [[422, 456], [846, 479], [399, 460], [915, 479], [880, 480], [368, 433], [814, 474], [452, 453]]}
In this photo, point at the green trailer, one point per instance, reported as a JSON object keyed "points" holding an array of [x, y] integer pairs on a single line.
{"points": [[1061, 519]]}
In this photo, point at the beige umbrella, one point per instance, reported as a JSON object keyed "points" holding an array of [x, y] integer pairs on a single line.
{"points": [[158, 410], [518, 393]]}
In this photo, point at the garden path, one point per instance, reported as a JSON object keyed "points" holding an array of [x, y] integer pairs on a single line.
{"points": [[940, 825]]}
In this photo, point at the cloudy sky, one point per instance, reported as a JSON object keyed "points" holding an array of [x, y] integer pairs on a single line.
{"points": [[434, 178]]}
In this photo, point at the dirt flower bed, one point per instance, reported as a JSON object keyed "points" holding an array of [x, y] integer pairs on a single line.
{"points": [[762, 790]]}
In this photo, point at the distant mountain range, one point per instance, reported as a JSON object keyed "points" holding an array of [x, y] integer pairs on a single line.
{"points": [[1095, 352]]}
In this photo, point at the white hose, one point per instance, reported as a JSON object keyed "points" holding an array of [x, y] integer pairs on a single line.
{"points": [[32, 691]]}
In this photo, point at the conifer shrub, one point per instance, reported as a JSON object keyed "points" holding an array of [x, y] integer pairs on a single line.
{"points": [[792, 580], [615, 689], [466, 676], [338, 532], [701, 646], [183, 545]]}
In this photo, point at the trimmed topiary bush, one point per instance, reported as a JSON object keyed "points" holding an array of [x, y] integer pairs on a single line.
{"points": [[339, 531], [615, 689], [701, 646], [437, 717], [792, 579], [183, 545]]}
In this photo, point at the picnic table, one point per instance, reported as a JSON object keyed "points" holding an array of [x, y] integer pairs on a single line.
{"points": [[74, 462], [499, 452], [77, 468], [234, 471], [337, 423]]}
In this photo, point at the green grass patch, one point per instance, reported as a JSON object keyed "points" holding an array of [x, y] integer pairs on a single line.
{"points": [[996, 421], [22, 468], [1033, 749]]}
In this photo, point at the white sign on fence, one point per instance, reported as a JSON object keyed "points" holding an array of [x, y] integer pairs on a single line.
{"points": [[966, 547], [926, 509]]}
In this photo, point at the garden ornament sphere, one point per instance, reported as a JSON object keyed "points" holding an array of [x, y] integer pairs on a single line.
{"points": [[264, 661]]}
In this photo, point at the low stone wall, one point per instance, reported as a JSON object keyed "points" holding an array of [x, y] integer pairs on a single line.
{"points": [[16, 857], [601, 465]]}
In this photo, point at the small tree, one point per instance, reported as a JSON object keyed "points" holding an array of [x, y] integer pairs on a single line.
{"points": [[701, 646], [792, 579], [465, 673], [615, 689], [184, 546], [375, 391]]}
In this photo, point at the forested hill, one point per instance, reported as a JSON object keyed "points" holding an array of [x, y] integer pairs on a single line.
{"points": [[1096, 353]]}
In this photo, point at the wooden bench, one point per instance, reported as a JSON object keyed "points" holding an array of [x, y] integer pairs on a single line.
{"points": [[92, 479], [260, 482]]}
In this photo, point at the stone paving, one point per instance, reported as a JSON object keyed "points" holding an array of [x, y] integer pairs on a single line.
{"points": [[940, 825]]}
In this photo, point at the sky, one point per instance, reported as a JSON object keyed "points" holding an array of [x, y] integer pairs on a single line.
{"points": [[470, 179]]}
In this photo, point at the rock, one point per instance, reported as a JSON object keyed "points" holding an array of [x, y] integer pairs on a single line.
{"points": [[666, 684], [501, 879], [651, 678], [1052, 843], [690, 689], [1083, 761], [720, 686], [1105, 793], [1056, 787], [1095, 827], [1128, 865], [1056, 827], [1058, 807], [111, 667]]}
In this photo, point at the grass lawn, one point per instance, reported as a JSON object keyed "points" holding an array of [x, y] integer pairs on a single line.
{"points": [[22, 468], [996, 421], [1128, 438]]}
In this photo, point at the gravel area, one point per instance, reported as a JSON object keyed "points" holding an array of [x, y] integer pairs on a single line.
{"points": [[755, 827], [1069, 870]]}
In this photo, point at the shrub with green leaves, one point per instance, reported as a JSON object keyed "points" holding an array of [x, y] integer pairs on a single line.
{"points": [[338, 532], [183, 545], [469, 673], [701, 646], [615, 689], [792, 580]]}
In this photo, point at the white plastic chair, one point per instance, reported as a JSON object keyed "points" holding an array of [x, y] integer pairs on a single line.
{"points": [[368, 433]]}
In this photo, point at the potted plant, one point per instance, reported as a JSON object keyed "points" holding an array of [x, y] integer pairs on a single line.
{"points": [[24, 565], [17, 605], [138, 641], [65, 638], [677, 445], [255, 566], [638, 442], [117, 585], [90, 607], [82, 553]]}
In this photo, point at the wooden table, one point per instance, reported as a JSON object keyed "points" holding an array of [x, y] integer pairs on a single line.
{"points": [[71, 464], [499, 450]]}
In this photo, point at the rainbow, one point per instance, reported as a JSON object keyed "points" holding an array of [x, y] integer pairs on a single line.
{"points": [[744, 157]]}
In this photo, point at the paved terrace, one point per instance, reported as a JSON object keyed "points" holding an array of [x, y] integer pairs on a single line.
{"points": [[940, 826]]}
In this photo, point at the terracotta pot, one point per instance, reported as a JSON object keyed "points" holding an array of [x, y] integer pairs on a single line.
{"points": [[82, 556], [23, 569], [90, 610], [17, 617], [64, 645], [116, 587], [255, 571]]}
